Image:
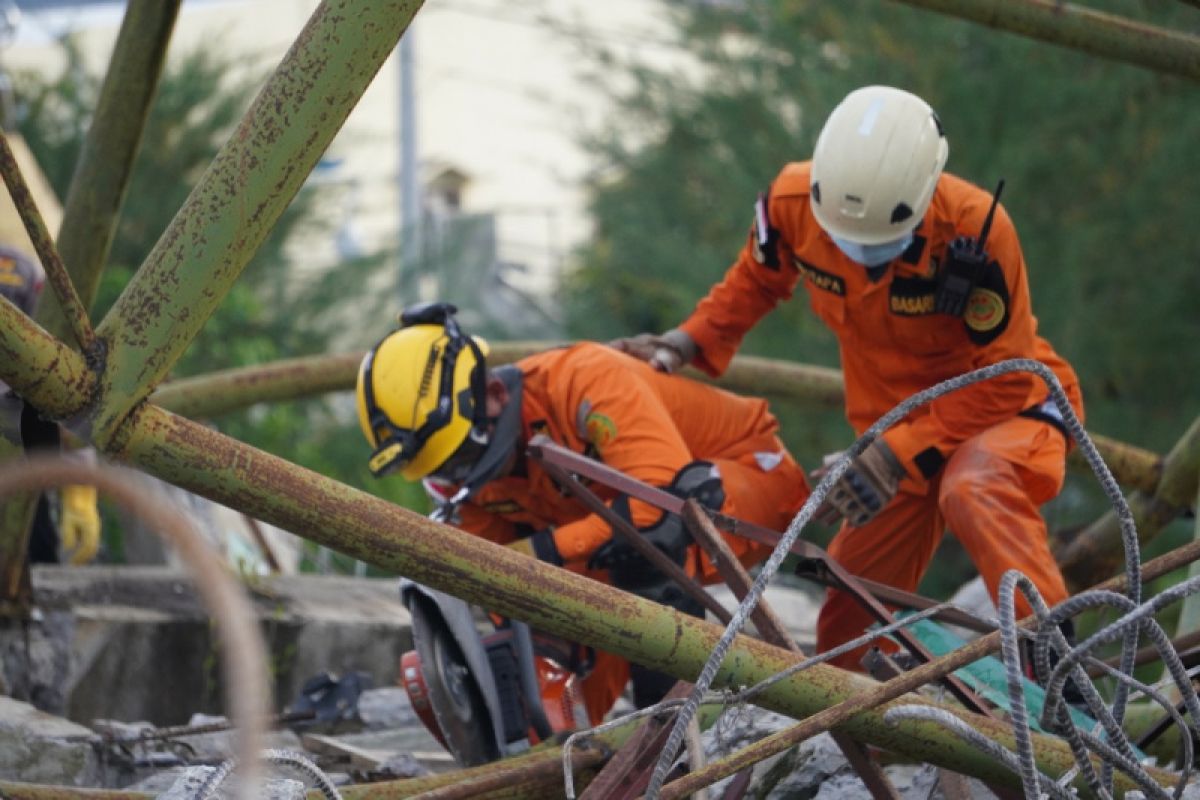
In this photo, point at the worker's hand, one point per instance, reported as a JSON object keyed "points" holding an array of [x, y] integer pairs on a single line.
{"points": [[80, 523], [864, 489], [539, 545], [666, 353]]}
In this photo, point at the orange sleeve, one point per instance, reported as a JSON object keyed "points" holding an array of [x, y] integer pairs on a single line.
{"points": [[753, 286], [1000, 326], [632, 431]]}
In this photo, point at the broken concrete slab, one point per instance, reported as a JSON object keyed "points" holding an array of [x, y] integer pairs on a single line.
{"points": [[94, 626], [36, 747]]}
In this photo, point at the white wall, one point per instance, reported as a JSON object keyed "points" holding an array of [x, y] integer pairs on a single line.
{"points": [[498, 98]]}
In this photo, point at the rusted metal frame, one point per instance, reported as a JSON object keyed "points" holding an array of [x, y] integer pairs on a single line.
{"points": [[773, 630], [1080, 28], [634, 539], [56, 273], [553, 455], [845, 712], [628, 771], [106, 160], [815, 557], [240, 197]]}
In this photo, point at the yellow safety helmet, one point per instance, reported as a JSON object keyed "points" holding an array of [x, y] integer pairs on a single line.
{"points": [[877, 161], [421, 393]]}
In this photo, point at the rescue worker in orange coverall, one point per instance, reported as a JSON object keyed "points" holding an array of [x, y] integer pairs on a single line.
{"points": [[432, 410], [867, 226]]}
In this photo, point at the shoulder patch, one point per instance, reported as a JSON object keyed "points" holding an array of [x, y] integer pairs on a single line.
{"points": [[984, 311], [594, 427], [601, 430], [820, 278]]}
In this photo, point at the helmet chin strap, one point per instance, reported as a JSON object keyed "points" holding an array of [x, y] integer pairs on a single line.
{"points": [[503, 442]]}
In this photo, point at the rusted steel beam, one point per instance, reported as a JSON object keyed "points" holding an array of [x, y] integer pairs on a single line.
{"points": [[230, 390], [77, 322], [241, 196], [106, 161], [1097, 551], [1080, 28]]}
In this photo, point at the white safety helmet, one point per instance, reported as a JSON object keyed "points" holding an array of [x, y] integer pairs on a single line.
{"points": [[876, 164]]}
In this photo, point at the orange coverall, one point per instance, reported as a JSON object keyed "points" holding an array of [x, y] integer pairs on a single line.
{"points": [[980, 460], [594, 400]]}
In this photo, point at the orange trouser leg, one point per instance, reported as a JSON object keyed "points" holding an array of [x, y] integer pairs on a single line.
{"points": [[604, 685], [893, 548], [990, 493]]}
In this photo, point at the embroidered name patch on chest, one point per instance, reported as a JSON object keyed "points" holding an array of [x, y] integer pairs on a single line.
{"points": [[911, 297], [820, 278]]}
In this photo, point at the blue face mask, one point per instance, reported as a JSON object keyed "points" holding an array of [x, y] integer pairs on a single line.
{"points": [[872, 255]]}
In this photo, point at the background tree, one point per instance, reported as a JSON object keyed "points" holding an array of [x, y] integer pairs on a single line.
{"points": [[1095, 155]]}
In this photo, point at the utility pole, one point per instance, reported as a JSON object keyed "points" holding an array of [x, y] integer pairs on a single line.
{"points": [[410, 188]]}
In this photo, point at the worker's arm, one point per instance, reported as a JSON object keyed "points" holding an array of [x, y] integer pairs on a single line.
{"points": [[612, 400], [762, 276]]}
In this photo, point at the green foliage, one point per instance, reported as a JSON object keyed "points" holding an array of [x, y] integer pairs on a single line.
{"points": [[1095, 155], [277, 309]]}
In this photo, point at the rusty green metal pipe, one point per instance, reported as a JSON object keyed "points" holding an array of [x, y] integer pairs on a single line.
{"points": [[241, 196], [76, 318], [106, 160], [1097, 551], [217, 393], [1080, 28]]}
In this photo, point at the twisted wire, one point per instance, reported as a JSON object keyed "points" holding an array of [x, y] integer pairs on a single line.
{"points": [[835, 473], [297, 762]]}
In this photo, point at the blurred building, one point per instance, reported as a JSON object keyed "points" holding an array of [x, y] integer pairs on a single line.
{"points": [[498, 103]]}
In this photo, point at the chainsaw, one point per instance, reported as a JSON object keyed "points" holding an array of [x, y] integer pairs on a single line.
{"points": [[490, 694]]}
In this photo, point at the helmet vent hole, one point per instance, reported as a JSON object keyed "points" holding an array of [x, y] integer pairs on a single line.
{"points": [[427, 375], [901, 212], [816, 191]]}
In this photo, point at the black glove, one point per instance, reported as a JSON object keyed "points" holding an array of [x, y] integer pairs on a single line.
{"points": [[539, 545]]}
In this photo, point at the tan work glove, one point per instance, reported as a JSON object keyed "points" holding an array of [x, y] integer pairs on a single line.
{"points": [[79, 523], [666, 353], [864, 489]]}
